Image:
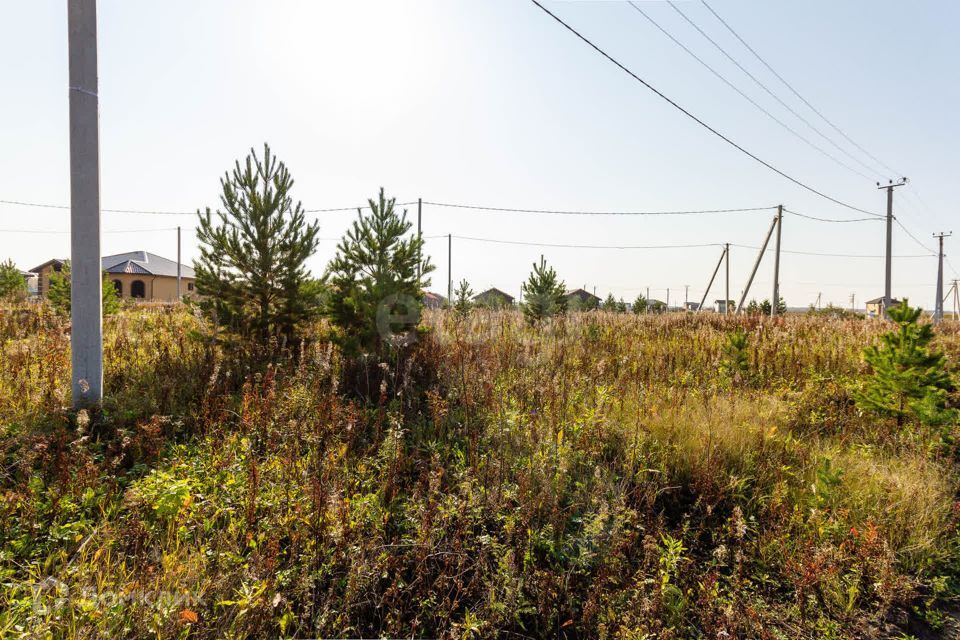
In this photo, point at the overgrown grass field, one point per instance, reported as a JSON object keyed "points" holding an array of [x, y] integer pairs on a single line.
{"points": [[600, 476]]}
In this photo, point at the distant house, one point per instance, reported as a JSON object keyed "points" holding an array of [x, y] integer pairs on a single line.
{"points": [[139, 275], [581, 300], [875, 307], [692, 306], [656, 306], [720, 306], [434, 300], [31, 280], [493, 298]]}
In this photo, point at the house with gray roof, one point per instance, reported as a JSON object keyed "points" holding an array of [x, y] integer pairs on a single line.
{"points": [[138, 275]]}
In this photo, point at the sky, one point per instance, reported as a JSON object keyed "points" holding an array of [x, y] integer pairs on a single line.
{"points": [[493, 103]]}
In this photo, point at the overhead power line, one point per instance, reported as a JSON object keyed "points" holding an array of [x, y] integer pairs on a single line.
{"points": [[797, 93], [669, 246], [179, 213], [756, 104], [587, 246], [913, 237], [45, 231], [448, 204], [366, 206], [768, 90], [576, 212], [809, 217], [833, 255], [66, 206], [690, 115]]}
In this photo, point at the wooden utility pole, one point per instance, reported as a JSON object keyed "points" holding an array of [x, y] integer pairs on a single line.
{"points": [[938, 309], [86, 311], [888, 271], [179, 295], [776, 264], [449, 268]]}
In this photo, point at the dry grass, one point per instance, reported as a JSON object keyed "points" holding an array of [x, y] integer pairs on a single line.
{"points": [[601, 476]]}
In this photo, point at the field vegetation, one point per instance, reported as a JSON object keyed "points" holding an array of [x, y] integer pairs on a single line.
{"points": [[601, 475]]}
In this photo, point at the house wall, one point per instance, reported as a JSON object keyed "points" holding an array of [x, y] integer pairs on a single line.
{"points": [[43, 280], [493, 300], [156, 288]]}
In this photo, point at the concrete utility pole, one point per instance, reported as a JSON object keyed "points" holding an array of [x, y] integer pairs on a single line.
{"points": [[726, 300], [178, 265], [86, 340], [888, 273], [956, 300], [668, 298], [686, 297], [419, 237], [756, 265], [716, 270], [647, 310], [449, 268], [776, 264], [938, 309], [853, 306]]}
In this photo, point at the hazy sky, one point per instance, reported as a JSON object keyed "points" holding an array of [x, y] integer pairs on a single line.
{"points": [[493, 103]]}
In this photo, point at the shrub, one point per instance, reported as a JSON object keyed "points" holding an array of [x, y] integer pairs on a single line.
{"points": [[13, 286]]}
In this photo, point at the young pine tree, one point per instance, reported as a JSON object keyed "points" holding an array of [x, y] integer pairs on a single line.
{"points": [[377, 278], [909, 377], [252, 278], [543, 293], [640, 304], [736, 356], [781, 307], [609, 304], [60, 291], [463, 299], [13, 286]]}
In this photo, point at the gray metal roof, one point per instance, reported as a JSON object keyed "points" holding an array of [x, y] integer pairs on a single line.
{"points": [[142, 262], [146, 263]]}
